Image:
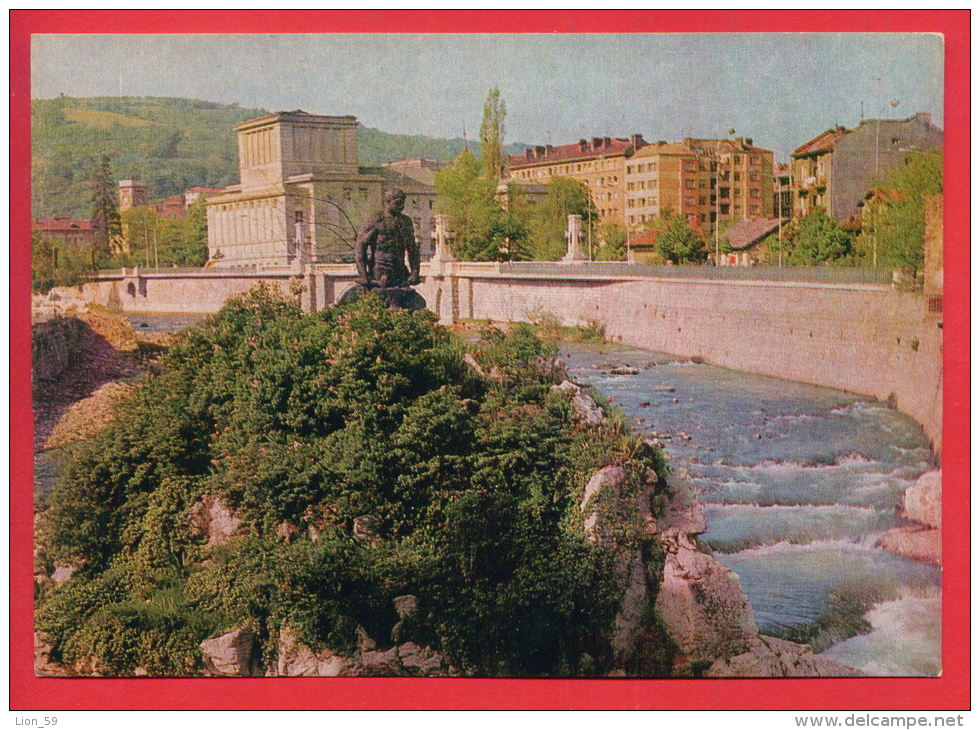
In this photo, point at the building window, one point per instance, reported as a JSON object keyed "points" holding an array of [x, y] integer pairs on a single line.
{"points": [[689, 166], [754, 176], [629, 169], [689, 184], [738, 176], [754, 193]]}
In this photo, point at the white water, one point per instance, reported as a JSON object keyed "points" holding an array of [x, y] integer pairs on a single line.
{"points": [[798, 483]]}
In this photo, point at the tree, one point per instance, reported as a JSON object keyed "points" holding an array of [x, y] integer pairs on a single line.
{"points": [[613, 242], [105, 213], [819, 240], [546, 221], [894, 223], [157, 241], [193, 250], [482, 229], [678, 242], [492, 134]]}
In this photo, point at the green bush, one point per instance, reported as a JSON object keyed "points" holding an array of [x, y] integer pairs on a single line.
{"points": [[304, 423]]}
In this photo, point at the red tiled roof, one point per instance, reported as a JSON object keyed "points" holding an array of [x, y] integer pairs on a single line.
{"points": [[646, 237], [821, 143], [60, 223], [747, 233], [582, 150]]}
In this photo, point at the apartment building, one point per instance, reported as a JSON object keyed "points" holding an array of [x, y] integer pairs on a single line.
{"points": [[598, 162], [838, 168], [664, 176], [705, 179]]}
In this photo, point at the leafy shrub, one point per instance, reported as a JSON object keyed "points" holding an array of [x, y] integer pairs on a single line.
{"points": [[302, 424]]}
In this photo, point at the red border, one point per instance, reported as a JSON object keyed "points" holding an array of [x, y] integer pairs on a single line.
{"points": [[951, 691]]}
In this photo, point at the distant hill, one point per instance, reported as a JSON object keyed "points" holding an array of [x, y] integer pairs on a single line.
{"points": [[169, 143]]}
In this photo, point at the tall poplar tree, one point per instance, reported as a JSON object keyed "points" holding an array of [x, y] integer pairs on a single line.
{"points": [[105, 211], [492, 135]]}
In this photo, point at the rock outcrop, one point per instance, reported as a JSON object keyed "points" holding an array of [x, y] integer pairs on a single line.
{"points": [[584, 404], [229, 655], [701, 601], [213, 519], [706, 612], [922, 504], [295, 659], [770, 657], [617, 516]]}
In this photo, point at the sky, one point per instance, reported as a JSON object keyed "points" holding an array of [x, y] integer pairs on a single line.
{"points": [[779, 89]]}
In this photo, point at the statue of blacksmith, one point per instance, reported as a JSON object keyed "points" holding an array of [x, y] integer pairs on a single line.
{"points": [[382, 246]]}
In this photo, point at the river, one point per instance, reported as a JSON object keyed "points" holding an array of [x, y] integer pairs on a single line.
{"points": [[798, 482]]}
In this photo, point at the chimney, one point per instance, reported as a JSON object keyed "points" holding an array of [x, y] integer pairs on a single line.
{"points": [[528, 153], [549, 149], [539, 151], [748, 141], [637, 141], [583, 145], [596, 142]]}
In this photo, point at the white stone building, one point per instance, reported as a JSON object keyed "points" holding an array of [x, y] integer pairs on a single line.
{"points": [[301, 198]]}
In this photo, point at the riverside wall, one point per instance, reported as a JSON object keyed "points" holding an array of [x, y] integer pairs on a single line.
{"points": [[867, 339]]}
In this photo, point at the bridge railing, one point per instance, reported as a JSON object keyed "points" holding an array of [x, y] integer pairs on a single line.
{"points": [[822, 274]]}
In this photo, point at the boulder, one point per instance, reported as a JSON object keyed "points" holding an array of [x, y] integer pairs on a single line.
{"points": [[770, 657], [213, 519], [422, 660], [62, 572], [584, 404], [229, 655], [366, 528], [924, 500], [918, 543], [295, 659], [623, 370], [406, 606], [364, 642]]}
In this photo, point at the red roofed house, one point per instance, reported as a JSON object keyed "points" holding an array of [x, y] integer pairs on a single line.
{"points": [[62, 231], [743, 240]]}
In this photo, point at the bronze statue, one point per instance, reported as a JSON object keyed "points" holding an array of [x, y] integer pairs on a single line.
{"points": [[382, 246]]}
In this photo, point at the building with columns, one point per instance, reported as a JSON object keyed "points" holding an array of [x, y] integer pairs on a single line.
{"points": [[302, 196]]}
